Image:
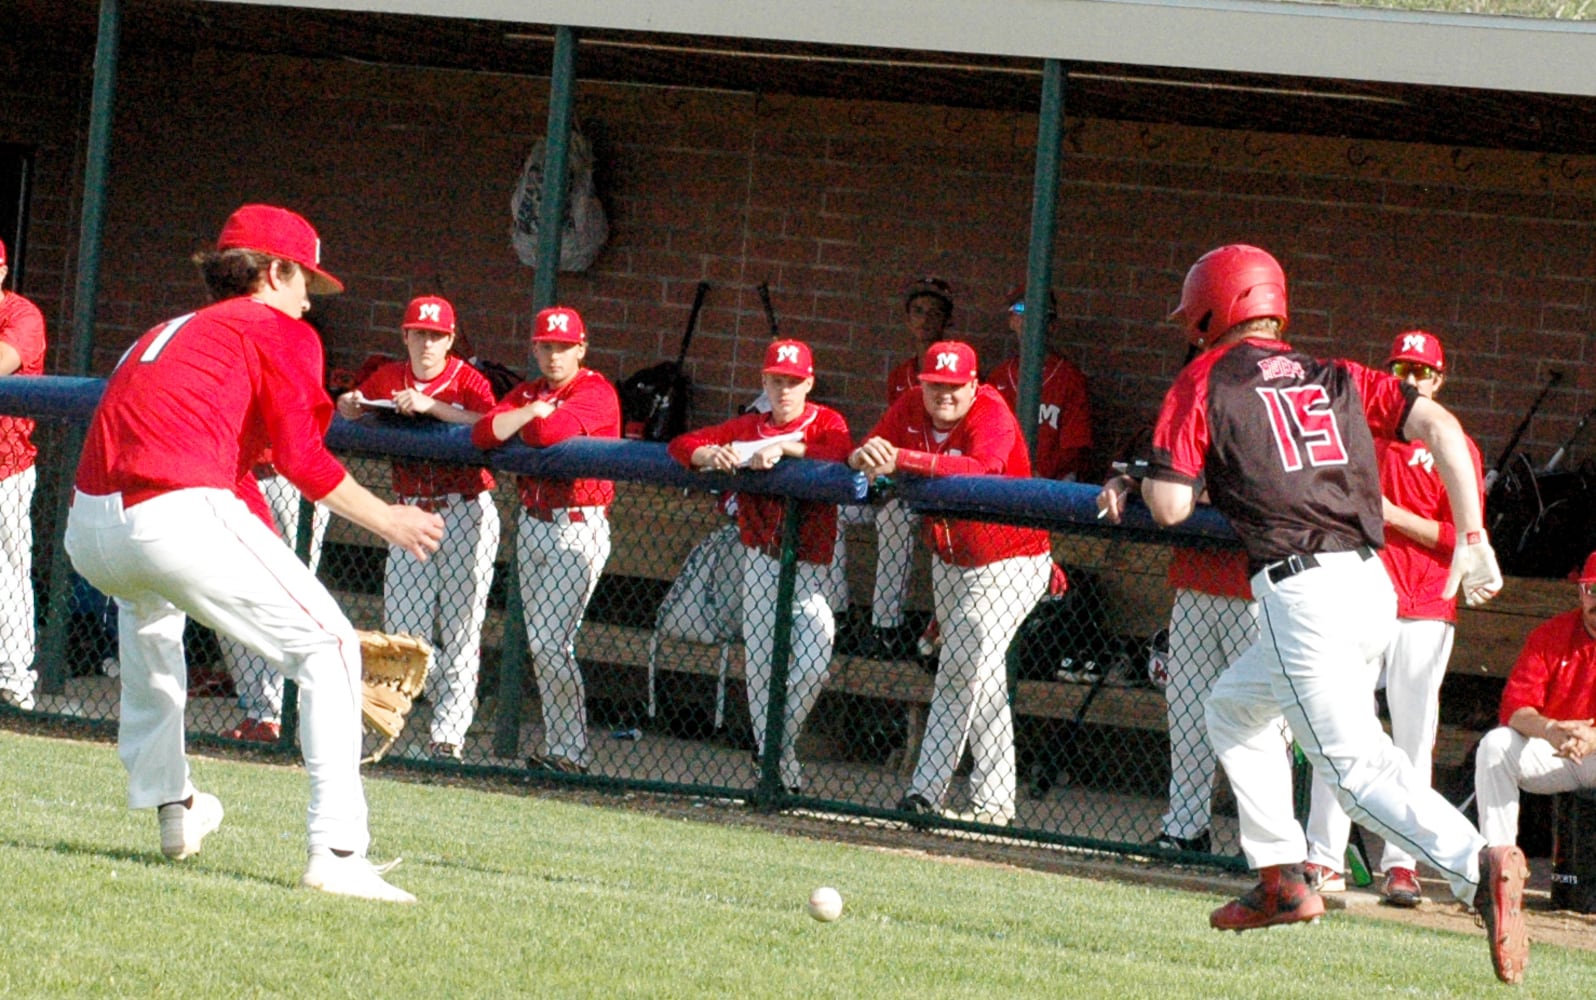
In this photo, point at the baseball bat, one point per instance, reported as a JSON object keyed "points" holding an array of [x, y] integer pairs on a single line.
{"points": [[770, 310], [1518, 432], [1562, 449]]}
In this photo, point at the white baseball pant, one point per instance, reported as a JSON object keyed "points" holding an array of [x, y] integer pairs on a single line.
{"points": [[259, 685], [16, 584], [559, 563], [201, 553], [445, 600], [895, 531], [813, 629], [1318, 632], [1206, 634], [1508, 761], [1413, 666], [980, 608]]}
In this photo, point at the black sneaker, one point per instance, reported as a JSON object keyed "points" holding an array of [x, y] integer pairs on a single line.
{"points": [[1202, 843], [919, 809], [554, 764]]}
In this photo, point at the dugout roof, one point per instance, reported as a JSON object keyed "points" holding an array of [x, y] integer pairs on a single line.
{"points": [[1317, 69]]}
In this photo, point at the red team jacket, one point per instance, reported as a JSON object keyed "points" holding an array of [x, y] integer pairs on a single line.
{"points": [[987, 442], [1409, 479], [904, 378], [459, 385], [1063, 419], [21, 326], [759, 517], [223, 381], [1283, 442], [1555, 673], [585, 406]]}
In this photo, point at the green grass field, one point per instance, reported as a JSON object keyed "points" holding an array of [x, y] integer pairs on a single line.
{"points": [[524, 896]]}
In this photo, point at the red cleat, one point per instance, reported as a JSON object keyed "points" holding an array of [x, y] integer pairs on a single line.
{"points": [[1282, 896], [1500, 902], [255, 731]]}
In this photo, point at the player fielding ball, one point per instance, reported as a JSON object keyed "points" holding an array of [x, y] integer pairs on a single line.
{"points": [[1283, 442], [158, 523]]}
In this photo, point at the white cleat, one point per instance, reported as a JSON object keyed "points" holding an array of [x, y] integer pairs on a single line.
{"points": [[352, 876], [184, 828]]}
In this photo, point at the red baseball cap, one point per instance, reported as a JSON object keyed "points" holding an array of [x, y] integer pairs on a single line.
{"points": [[949, 361], [561, 325], [281, 233], [429, 312], [1588, 574], [1420, 346], [789, 357]]}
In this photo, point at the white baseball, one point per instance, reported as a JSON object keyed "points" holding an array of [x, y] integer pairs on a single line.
{"points": [[825, 904]]}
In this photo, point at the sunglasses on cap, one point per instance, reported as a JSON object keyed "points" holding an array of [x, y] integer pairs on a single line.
{"points": [[1588, 589], [1422, 372]]}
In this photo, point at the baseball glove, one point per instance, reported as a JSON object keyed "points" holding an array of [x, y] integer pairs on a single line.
{"points": [[394, 668]]}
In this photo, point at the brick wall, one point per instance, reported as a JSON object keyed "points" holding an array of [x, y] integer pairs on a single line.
{"points": [[408, 174]]}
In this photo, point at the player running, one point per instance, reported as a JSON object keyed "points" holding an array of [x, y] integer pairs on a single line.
{"points": [[155, 523], [1283, 442]]}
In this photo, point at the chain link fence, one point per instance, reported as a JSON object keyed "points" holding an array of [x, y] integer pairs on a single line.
{"points": [[647, 647]]}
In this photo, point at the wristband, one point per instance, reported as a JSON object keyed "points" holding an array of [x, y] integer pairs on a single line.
{"points": [[1474, 538], [921, 462]]}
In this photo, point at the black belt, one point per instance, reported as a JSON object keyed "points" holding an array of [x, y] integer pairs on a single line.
{"points": [[1289, 567]]}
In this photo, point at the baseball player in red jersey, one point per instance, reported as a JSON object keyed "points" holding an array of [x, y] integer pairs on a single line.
{"points": [[985, 578], [21, 353], [563, 535], [155, 523], [1063, 416], [794, 428], [1419, 539], [927, 307], [259, 685], [1282, 441], [445, 598], [1546, 740]]}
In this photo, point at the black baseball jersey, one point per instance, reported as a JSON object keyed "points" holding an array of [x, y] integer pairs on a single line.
{"points": [[1283, 442]]}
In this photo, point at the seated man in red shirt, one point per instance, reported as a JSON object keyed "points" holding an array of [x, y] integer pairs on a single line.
{"points": [[1547, 740]]}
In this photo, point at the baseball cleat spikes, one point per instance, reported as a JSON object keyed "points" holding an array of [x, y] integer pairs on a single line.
{"points": [[1500, 903], [1280, 897]]}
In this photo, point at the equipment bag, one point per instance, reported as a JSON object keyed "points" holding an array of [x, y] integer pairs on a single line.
{"points": [[585, 228]]}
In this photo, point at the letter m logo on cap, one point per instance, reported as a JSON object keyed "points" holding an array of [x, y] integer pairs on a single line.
{"points": [[559, 323], [1413, 342], [431, 312], [787, 354], [948, 361]]}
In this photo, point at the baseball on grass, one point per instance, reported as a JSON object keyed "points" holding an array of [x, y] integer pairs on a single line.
{"points": [[825, 904]]}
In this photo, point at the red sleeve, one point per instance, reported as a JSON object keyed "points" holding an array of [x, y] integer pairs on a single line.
{"points": [[738, 428], [894, 424], [1528, 683], [476, 392], [827, 438], [985, 440], [1386, 399], [591, 409], [22, 326], [482, 431], [384, 382], [1180, 438], [296, 408]]}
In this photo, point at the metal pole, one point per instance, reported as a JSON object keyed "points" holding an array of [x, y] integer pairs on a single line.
{"points": [[551, 219], [1039, 264], [770, 791], [91, 229]]}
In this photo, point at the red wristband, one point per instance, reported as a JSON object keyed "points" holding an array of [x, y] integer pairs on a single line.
{"points": [[1474, 538], [922, 462]]}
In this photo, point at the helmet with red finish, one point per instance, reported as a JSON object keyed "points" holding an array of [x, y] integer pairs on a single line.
{"points": [[1227, 286]]}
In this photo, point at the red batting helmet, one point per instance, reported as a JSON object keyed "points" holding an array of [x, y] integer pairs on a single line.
{"points": [[1227, 286]]}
